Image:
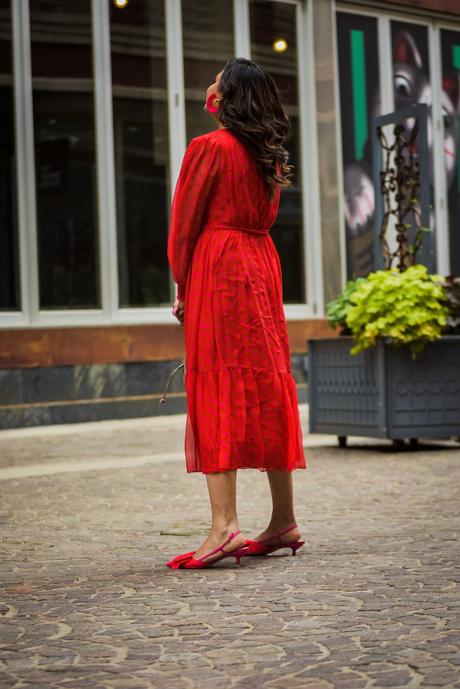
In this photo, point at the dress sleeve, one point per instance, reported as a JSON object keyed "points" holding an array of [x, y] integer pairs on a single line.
{"points": [[199, 170]]}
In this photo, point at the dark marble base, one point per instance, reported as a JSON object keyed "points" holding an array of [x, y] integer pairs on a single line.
{"points": [[73, 394]]}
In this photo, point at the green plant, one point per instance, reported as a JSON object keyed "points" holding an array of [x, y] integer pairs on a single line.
{"points": [[410, 307], [337, 309]]}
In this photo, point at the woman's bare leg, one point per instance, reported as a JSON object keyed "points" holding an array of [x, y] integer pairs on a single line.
{"points": [[282, 492], [222, 494]]}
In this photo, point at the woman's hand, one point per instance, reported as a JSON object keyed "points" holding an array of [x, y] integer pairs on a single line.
{"points": [[178, 310]]}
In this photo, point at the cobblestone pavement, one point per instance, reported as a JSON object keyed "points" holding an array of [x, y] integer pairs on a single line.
{"points": [[91, 513]]}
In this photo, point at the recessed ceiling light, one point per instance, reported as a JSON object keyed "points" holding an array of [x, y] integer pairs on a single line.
{"points": [[280, 45]]}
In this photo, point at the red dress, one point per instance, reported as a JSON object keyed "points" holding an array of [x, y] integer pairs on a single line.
{"points": [[242, 407]]}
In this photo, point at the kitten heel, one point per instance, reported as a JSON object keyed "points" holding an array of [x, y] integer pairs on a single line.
{"points": [[238, 554], [295, 546]]}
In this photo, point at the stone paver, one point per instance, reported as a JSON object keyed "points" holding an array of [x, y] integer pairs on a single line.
{"points": [[371, 600]]}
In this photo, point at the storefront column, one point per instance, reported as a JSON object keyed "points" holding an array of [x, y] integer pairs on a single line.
{"points": [[328, 160]]}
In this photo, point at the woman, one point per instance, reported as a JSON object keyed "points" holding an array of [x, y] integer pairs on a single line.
{"points": [[242, 407]]}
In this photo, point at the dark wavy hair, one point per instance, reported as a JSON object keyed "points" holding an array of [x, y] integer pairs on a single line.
{"points": [[251, 109]]}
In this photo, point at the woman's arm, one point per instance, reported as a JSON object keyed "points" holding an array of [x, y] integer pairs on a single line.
{"points": [[199, 170]]}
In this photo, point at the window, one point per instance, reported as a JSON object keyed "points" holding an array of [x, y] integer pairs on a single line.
{"points": [[141, 139], [274, 47], [412, 84], [450, 47], [65, 170], [9, 261], [406, 80], [207, 32], [359, 84]]}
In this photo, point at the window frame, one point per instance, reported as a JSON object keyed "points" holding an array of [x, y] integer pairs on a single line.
{"points": [[110, 313], [433, 26], [312, 305]]}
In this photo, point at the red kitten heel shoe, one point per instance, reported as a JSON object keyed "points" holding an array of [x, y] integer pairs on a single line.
{"points": [[187, 561], [265, 546]]}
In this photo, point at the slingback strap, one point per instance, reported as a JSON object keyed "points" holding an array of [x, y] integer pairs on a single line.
{"points": [[221, 547], [281, 533]]}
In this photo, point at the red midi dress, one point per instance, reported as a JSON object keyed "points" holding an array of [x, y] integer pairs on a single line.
{"points": [[242, 406]]}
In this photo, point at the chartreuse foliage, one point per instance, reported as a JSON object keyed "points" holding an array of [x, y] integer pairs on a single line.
{"points": [[409, 307], [337, 309]]}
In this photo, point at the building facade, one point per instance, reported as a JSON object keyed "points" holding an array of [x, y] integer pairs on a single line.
{"points": [[99, 99]]}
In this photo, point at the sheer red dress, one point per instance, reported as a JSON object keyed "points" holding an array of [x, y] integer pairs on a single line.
{"points": [[242, 406]]}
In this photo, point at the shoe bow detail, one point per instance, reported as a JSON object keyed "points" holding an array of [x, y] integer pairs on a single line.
{"points": [[179, 560], [187, 561]]}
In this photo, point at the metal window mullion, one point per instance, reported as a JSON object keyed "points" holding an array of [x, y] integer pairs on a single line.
{"points": [[311, 226], [25, 159], [176, 94], [387, 101], [439, 171], [103, 120], [339, 139], [385, 65], [241, 29]]}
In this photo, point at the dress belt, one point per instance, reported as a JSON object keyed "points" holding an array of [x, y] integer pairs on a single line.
{"points": [[222, 226]]}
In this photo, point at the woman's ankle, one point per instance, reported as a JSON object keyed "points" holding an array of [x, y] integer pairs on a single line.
{"points": [[224, 528], [280, 522]]}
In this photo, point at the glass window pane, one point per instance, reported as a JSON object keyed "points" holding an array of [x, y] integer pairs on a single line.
{"points": [[273, 25], [62, 78], [359, 85], [410, 62], [412, 84], [207, 33], [140, 120], [9, 259], [450, 46]]}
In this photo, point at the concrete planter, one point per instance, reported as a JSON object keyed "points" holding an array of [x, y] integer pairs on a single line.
{"points": [[382, 392]]}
